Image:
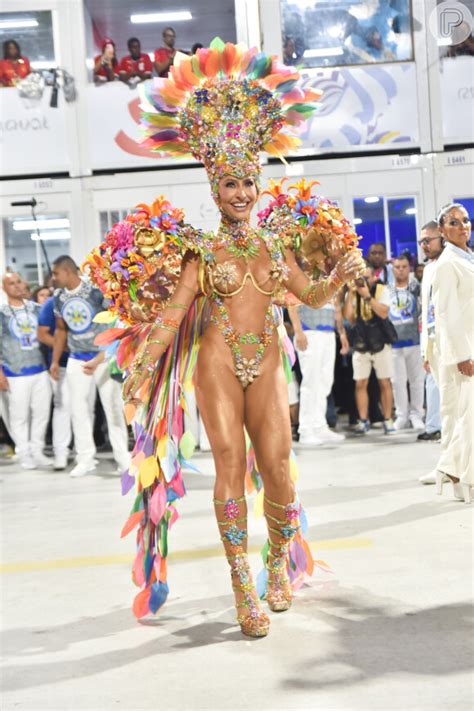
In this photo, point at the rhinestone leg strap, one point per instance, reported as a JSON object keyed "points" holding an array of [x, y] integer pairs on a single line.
{"points": [[232, 522], [283, 523]]}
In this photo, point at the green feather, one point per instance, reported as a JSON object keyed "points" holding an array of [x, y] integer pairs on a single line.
{"points": [[163, 538], [217, 43], [137, 503]]}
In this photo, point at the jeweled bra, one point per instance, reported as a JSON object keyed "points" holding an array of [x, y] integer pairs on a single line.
{"points": [[243, 242]]}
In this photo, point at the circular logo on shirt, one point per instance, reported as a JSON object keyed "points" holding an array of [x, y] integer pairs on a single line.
{"points": [[23, 327], [403, 308], [78, 314]]}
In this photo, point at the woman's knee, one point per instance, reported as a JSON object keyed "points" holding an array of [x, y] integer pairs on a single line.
{"points": [[230, 461], [275, 469]]}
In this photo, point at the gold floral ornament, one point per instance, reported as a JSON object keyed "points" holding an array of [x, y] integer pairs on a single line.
{"points": [[149, 240], [310, 224], [138, 264]]}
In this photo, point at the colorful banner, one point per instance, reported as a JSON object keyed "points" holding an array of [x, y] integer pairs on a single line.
{"points": [[364, 108]]}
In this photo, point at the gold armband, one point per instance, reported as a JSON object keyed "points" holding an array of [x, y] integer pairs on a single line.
{"points": [[158, 342], [309, 295]]}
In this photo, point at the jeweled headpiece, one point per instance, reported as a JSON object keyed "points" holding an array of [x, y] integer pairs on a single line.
{"points": [[224, 106]]}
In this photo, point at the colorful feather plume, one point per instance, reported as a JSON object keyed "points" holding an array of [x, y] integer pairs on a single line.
{"points": [[225, 105]]}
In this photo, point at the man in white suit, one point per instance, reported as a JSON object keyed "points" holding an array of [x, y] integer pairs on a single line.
{"points": [[453, 296]]}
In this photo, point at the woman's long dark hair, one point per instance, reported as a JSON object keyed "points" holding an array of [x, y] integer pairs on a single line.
{"points": [[5, 48]]}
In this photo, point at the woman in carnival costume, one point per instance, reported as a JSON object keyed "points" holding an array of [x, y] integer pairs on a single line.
{"points": [[181, 290]]}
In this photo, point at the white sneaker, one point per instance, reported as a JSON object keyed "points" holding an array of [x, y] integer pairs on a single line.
{"points": [[417, 423], [430, 478], [310, 441], [401, 424], [328, 436], [27, 463], [41, 461], [60, 462], [83, 468]]}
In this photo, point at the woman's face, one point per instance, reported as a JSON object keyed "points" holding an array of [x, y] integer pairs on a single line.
{"points": [[457, 227], [109, 51], [12, 52], [237, 196], [42, 296]]}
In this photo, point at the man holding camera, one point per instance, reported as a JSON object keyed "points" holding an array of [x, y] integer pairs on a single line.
{"points": [[365, 301]]}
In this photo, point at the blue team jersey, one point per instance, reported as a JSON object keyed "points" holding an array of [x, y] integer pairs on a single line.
{"points": [[47, 318]]}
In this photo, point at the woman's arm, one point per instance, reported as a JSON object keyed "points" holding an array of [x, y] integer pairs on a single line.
{"points": [[318, 293], [164, 331]]}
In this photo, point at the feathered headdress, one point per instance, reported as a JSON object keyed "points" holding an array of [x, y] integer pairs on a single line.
{"points": [[224, 106]]}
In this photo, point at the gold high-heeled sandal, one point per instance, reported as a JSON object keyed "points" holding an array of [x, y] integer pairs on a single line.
{"points": [[279, 595], [254, 622]]}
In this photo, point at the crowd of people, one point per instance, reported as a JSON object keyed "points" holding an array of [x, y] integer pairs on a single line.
{"points": [[137, 66], [397, 348], [48, 353], [377, 354], [131, 69]]}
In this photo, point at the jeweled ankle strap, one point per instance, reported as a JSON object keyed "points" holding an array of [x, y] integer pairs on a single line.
{"points": [[227, 501], [277, 505], [231, 533]]}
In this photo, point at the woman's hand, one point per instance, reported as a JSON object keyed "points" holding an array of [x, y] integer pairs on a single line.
{"points": [[141, 370], [133, 383], [350, 266]]}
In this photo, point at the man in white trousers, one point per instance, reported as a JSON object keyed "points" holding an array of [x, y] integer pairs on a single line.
{"points": [[61, 412], [453, 295], [315, 341], [76, 302], [432, 246], [23, 374], [407, 366]]}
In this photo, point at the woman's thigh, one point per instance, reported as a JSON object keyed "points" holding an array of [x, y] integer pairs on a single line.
{"points": [[220, 400], [267, 419]]}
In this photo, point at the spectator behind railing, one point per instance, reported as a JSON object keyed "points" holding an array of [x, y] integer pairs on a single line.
{"points": [[106, 64], [13, 67], [136, 66], [164, 56], [195, 47]]}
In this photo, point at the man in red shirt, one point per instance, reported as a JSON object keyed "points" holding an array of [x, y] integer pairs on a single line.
{"points": [[13, 67], [164, 56], [136, 66]]}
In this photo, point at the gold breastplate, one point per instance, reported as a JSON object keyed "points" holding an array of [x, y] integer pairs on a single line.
{"points": [[223, 279]]}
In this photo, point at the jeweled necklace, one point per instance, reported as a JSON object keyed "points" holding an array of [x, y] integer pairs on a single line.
{"points": [[238, 238]]}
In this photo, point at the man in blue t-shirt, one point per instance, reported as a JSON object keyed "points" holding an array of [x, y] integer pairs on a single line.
{"points": [[23, 374], [76, 303], [404, 313], [61, 413]]}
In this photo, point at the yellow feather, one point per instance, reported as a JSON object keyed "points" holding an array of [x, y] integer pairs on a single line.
{"points": [[148, 471]]}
